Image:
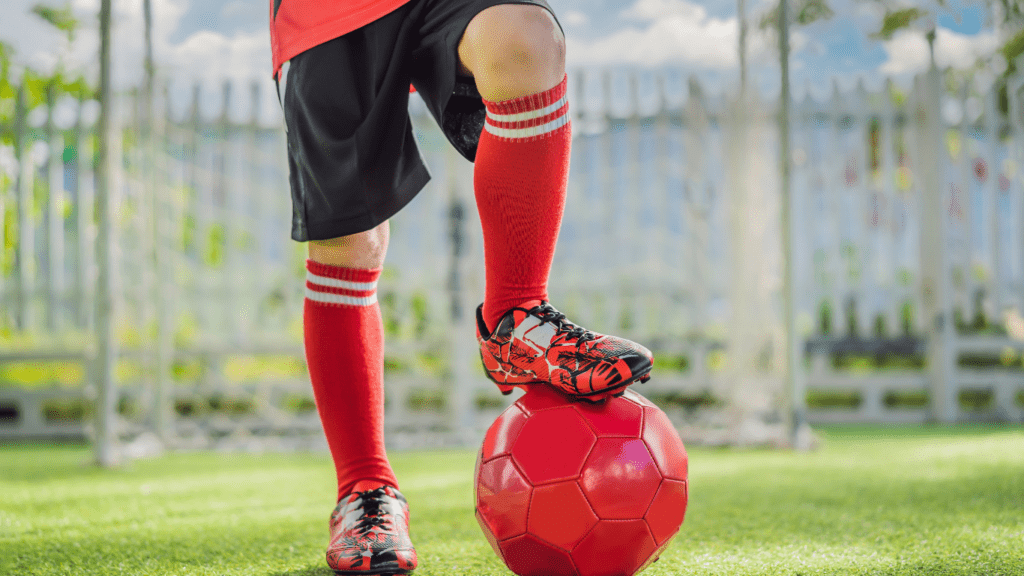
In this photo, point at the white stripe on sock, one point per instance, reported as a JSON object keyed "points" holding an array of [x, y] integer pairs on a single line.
{"points": [[528, 132], [329, 298], [528, 115], [335, 283]]}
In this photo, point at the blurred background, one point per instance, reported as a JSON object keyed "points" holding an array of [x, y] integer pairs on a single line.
{"points": [[815, 211]]}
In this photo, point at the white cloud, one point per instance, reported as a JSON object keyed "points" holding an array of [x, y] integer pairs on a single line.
{"points": [[212, 56], [678, 33], [908, 50], [575, 18], [647, 10]]}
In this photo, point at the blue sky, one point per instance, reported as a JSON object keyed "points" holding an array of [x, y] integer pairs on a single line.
{"points": [[214, 39]]}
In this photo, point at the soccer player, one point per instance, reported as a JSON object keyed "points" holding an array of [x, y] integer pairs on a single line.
{"points": [[492, 73]]}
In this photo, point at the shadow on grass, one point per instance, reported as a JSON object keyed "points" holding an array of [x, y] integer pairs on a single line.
{"points": [[309, 571]]}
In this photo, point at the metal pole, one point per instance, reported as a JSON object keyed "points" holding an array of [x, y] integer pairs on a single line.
{"points": [[741, 14], [794, 383], [106, 400], [148, 66]]}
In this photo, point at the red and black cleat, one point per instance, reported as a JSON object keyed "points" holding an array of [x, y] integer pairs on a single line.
{"points": [[370, 534], [536, 344]]}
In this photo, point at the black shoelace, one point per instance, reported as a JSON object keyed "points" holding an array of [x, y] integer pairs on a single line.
{"points": [[373, 515], [547, 313]]}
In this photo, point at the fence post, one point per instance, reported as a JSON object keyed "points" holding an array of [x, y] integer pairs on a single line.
{"points": [[463, 315], [55, 289], [26, 234], [1015, 91], [163, 209], [936, 297], [106, 353]]}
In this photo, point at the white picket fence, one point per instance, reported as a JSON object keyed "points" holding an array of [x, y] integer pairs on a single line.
{"points": [[670, 189]]}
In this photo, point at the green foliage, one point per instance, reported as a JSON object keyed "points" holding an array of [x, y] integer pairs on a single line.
{"points": [[216, 242], [39, 87], [907, 318], [801, 12], [976, 400], [62, 18], [427, 400], [687, 401], [825, 325], [1013, 48], [911, 399], [298, 404], [41, 374], [489, 402], [896, 20], [671, 363], [849, 399], [1013, 11]]}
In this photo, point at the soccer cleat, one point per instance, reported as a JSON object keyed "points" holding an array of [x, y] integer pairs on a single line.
{"points": [[536, 344], [370, 534]]}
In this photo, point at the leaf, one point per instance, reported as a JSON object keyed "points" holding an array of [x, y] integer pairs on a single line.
{"points": [[1013, 48], [812, 11], [897, 20], [61, 18], [802, 12]]}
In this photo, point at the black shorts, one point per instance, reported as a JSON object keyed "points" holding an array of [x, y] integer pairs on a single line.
{"points": [[352, 157]]}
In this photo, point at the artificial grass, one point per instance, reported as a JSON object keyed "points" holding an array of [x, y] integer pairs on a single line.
{"points": [[941, 501]]}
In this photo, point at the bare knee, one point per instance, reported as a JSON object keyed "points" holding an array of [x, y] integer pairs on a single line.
{"points": [[513, 50], [362, 250]]}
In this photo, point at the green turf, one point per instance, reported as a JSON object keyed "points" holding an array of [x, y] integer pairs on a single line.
{"points": [[870, 501]]}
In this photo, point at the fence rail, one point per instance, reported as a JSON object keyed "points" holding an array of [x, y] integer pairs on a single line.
{"points": [[680, 188]]}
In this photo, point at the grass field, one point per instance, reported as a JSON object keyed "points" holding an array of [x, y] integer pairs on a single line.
{"points": [[871, 501]]}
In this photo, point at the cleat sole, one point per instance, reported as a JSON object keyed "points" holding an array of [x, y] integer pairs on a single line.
{"points": [[380, 571]]}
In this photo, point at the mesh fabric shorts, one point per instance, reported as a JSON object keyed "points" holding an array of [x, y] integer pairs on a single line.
{"points": [[353, 160]]}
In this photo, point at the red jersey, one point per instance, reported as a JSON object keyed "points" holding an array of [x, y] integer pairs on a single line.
{"points": [[298, 25]]}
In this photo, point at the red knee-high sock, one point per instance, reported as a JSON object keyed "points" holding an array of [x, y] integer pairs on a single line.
{"points": [[345, 353], [521, 172]]}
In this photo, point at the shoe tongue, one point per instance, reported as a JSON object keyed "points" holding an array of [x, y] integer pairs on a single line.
{"points": [[367, 485], [530, 304]]}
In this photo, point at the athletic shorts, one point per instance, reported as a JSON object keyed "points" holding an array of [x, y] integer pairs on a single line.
{"points": [[353, 160]]}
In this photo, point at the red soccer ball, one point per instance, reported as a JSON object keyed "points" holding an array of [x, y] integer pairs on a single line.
{"points": [[566, 487]]}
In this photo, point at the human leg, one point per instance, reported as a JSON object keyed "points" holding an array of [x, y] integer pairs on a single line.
{"points": [[353, 164], [344, 337], [516, 54]]}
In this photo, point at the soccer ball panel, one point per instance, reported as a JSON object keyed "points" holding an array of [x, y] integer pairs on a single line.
{"points": [[667, 511], [616, 417], [665, 445], [503, 497], [637, 398], [527, 556], [653, 557], [620, 478], [553, 445], [614, 548], [560, 514], [491, 539], [502, 434]]}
